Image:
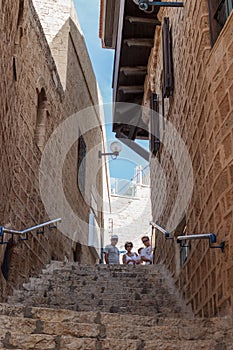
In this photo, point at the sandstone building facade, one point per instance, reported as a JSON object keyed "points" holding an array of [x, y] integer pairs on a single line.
{"points": [[46, 76], [195, 43]]}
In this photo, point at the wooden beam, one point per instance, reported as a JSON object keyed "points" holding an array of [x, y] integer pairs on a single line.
{"points": [[139, 42], [134, 146], [138, 70], [143, 20], [134, 89], [118, 49]]}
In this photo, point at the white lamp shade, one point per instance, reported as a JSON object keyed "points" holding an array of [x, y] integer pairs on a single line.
{"points": [[115, 147]]}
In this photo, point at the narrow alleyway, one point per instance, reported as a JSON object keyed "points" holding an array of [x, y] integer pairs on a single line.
{"points": [[70, 306]]}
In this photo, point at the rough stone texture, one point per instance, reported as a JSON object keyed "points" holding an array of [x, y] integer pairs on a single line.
{"points": [[27, 67], [102, 288], [158, 321], [201, 110]]}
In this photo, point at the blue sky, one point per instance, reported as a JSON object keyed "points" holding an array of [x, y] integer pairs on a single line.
{"points": [[102, 62]]}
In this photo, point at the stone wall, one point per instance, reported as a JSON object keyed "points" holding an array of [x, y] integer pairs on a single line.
{"points": [[201, 110], [69, 51], [34, 103]]}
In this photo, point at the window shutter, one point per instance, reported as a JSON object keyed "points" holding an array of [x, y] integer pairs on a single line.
{"points": [[154, 124], [168, 80], [215, 27], [219, 11]]}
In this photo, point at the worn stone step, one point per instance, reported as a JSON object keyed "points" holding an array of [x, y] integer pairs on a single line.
{"points": [[47, 342], [35, 326], [103, 269], [119, 323], [134, 306], [184, 332], [129, 331]]}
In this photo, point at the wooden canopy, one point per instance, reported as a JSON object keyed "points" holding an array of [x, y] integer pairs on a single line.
{"points": [[130, 32]]}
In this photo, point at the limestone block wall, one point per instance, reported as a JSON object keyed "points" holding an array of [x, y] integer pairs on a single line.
{"points": [[201, 109], [30, 78], [26, 67], [81, 91]]}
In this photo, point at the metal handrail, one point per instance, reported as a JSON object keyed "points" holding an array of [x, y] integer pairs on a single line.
{"points": [[30, 229], [161, 229], [27, 230], [210, 236]]}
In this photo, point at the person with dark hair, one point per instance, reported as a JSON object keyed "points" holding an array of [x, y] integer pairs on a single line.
{"points": [[139, 254], [130, 258], [146, 253]]}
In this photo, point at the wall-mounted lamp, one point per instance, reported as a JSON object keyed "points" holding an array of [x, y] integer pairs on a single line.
{"points": [[144, 4], [210, 236], [115, 148]]}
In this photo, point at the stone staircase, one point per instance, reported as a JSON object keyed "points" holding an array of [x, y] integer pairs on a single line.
{"points": [[70, 306]]}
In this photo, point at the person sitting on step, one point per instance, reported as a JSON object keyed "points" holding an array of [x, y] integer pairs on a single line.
{"points": [[130, 258], [146, 253]]}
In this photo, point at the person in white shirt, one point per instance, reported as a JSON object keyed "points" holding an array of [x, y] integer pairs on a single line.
{"points": [[146, 253], [130, 258], [111, 252]]}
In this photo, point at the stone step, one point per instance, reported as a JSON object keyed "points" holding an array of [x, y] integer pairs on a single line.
{"points": [[105, 305], [35, 326], [105, 286], [99, 292], [119, 267], [46, 342], [101, 279], [62, 315], [28, 333], [101, 269], [129, 331], [97, 279], [153, 332]]}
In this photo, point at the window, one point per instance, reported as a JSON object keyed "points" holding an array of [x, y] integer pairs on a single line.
{"points": [[185, 246], [14, 69], [168, 79], [81, 178], [94, 236], [219, 10], [182, 250], [20, 20], [20, 13], [41, 119]]}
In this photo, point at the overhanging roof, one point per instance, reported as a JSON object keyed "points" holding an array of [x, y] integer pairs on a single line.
{"points": [[135, 38]]}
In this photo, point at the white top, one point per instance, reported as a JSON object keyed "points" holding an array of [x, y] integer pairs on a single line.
{"points": [[147, 253], [134, 257], [113, 254]]}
